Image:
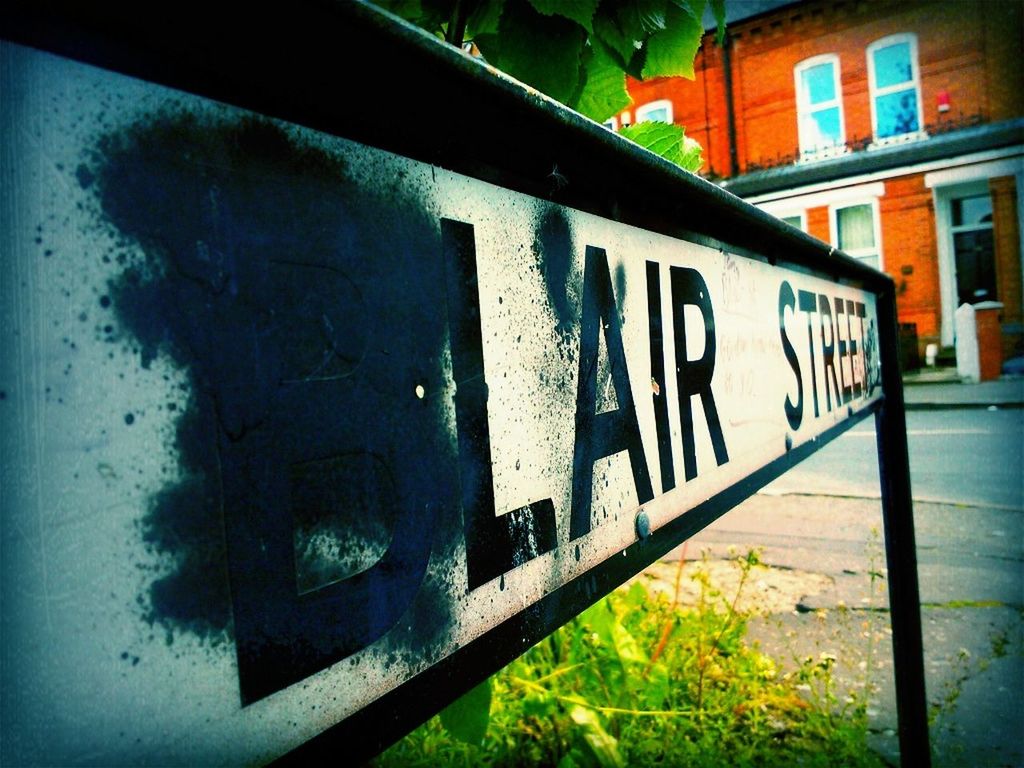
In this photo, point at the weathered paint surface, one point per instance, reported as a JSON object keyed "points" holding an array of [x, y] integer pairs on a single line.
{"points": [[286, 420]]}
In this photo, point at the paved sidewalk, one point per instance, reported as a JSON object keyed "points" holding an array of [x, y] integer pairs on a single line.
{"points": [[938, 389], [821, 599]]}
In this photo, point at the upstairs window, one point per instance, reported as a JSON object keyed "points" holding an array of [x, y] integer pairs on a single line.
{"points": [[656, 111], [819, 107], [895, 88]]}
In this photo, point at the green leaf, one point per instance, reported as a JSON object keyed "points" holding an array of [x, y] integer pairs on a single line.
{"points": [[635, 69], [636, 596], [538, 704], [603, 746], [489, 44], [668, 141], [640, 18], [626, 646], [657, 687], [522, 35], [672, 51], [718, 8], [608, 31], [693, 7], [604, 87], [466, 718], [484, 19], [692, 156], [625, 26], [580, 11], [600, 618], [410, 10], [435, 15]]}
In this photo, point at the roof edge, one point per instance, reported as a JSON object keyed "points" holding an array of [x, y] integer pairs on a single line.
{"points": [[963, 142]]}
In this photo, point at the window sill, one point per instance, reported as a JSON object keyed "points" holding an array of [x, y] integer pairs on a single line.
{"points": [[825, 153], [903, 138]]}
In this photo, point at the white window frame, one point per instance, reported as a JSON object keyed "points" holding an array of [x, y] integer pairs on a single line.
{"points": [[794, 214], [789, 203], [947, 184], [787, 210], [612, 124], [642, 112], [876, 220], [804, 109], [874, 92]]}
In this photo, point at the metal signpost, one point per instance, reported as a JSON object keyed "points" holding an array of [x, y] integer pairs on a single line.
{"points": [[330, 384]]}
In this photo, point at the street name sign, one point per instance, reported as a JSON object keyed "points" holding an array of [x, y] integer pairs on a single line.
{"points": [[302, 437]]}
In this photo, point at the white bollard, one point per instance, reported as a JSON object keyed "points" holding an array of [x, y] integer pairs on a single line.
{"points": [[968, 363]]}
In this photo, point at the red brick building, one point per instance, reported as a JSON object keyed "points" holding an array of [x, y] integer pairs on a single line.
{"points": [[889, 128]]}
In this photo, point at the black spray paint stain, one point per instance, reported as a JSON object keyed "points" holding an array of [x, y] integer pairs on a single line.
{"points": [[184, 522], [343, 510], [555, 251], [172, 185], [247, 261], [620, 287]]}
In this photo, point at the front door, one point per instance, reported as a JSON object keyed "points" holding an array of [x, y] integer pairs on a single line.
{"points": [[973, 252]]}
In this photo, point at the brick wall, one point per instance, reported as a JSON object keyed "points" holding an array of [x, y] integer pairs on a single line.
{"points": [[1006, 237], [910, 253], [817, 223], [909, 250], [952, 37], [1004, 81], [698, 105], [969, 49]]}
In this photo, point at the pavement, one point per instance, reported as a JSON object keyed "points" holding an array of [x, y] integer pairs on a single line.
{"points": [[823, 591], [830, 599], [942, 388]]}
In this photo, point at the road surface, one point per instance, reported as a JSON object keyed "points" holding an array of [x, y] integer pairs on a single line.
{"points": [[969, 457], [822, 518]]}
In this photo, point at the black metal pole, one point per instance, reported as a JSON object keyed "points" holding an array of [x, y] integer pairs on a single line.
{"points": [[730, 110], [900, 547]]}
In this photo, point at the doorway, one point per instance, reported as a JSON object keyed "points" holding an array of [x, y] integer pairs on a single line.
{"points": [[970, 218]]}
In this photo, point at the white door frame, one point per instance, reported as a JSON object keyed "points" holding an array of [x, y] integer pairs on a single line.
{"points": [[955, 182]]}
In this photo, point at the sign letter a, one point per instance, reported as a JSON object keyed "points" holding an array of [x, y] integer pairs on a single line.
{"points": [[602, 434]]}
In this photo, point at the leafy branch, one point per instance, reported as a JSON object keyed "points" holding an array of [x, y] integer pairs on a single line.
{"points": [[580, 52]]}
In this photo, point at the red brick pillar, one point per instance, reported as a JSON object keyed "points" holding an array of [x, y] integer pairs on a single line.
{"points": [[990, 347], [1006, 241]]}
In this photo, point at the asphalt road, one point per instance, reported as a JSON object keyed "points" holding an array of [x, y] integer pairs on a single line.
{"points": [[969, 457]]}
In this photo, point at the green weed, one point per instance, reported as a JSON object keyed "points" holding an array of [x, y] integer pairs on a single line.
{"points": [[639, 679]]}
